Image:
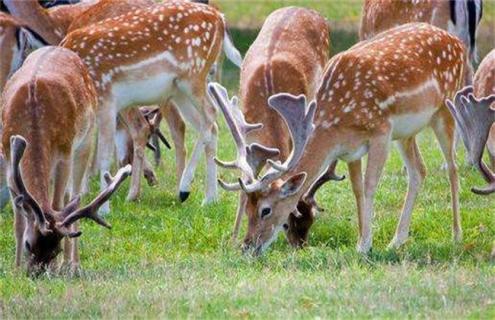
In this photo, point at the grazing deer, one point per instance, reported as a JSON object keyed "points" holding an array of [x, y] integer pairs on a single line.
{"points": [[274, 63], [388, 88], [150, 56], [474, 111], [459, 17], [49, 108]]}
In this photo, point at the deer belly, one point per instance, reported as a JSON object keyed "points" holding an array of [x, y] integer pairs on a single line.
{"points": [[407, 125], [148, 90]]}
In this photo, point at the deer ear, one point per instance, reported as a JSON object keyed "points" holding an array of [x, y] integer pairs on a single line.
{"points": [[292, 185]]}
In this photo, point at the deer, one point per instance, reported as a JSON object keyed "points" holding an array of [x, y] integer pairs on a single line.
{"points": [[275, 64], [367, 98], [460, 17], [49, 109], [473, 110], [16, 40], [150, 56]]}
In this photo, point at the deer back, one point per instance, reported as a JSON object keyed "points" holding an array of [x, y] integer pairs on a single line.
{"points": [[49, 101], [174, 37], [105, 9], [288, 55], [484, 79], [409, 69]]}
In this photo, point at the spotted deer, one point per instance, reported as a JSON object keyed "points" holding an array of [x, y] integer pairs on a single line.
{"points": [[388, 88], [49, 108], [459, 17], [150, 56], [274, 63], [473, 109]]}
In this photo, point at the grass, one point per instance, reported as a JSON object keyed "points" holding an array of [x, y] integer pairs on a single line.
{"points": [[251, 13], [167, 260]]}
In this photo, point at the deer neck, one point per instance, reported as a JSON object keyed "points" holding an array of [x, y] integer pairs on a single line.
{"points": [[315, 160], [36, 170], [37, 18]]}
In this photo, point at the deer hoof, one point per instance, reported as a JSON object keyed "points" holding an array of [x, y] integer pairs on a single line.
{"points": [[183, 195]]}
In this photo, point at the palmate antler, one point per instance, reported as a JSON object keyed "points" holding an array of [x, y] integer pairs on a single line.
{"points": [[250, 158], [299, 119], [474, 117], [298, 116]]}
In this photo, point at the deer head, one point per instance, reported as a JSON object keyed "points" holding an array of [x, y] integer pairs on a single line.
{"points": [[46, 229], [277, 191]]}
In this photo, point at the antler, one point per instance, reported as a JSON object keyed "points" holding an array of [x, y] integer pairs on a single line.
{"points": [[474, 117], [22, 196], [250, 158], [153, 118], [298, 116], [91, 210]]}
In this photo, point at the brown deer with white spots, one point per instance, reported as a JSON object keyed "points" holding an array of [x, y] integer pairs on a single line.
{"points": [[388, 88], [151, 56], [49, 109], [474, 111], [16, 40], [459, 17], [274, 63]]}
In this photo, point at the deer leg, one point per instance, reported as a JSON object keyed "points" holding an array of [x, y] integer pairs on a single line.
{"points": [[81, 167], [106, 143], [416, 172], [443, 127], [137, 130], [377, 157], [177, 130], [356, 177], [62, 175], [211, 166], [149, 173], [192, 115], [241, 208]]}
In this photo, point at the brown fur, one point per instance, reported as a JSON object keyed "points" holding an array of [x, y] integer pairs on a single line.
{"points": [[409, 70], [51, 102]]}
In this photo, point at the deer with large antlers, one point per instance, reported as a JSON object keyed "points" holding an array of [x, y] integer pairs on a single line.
{"points": [[388, 88], [274, 63], [49, 108], [150, 56], [474, 111]]}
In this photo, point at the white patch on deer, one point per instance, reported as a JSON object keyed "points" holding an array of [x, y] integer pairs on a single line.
{"points": [[432, 83]]}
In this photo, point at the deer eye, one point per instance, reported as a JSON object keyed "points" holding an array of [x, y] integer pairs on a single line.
{"points": [[265, 212]]}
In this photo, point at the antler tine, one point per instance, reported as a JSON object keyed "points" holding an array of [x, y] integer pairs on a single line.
{"points": [[474, 118], [91, 210], [299, 119], [17, 147], [153, 117], [249, 157]]}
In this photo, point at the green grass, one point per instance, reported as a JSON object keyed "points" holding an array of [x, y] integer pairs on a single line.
{"points": [[251, 13], [164, 259]]}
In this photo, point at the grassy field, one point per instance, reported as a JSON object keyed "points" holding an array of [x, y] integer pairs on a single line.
{"points": [[166, 259]]}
